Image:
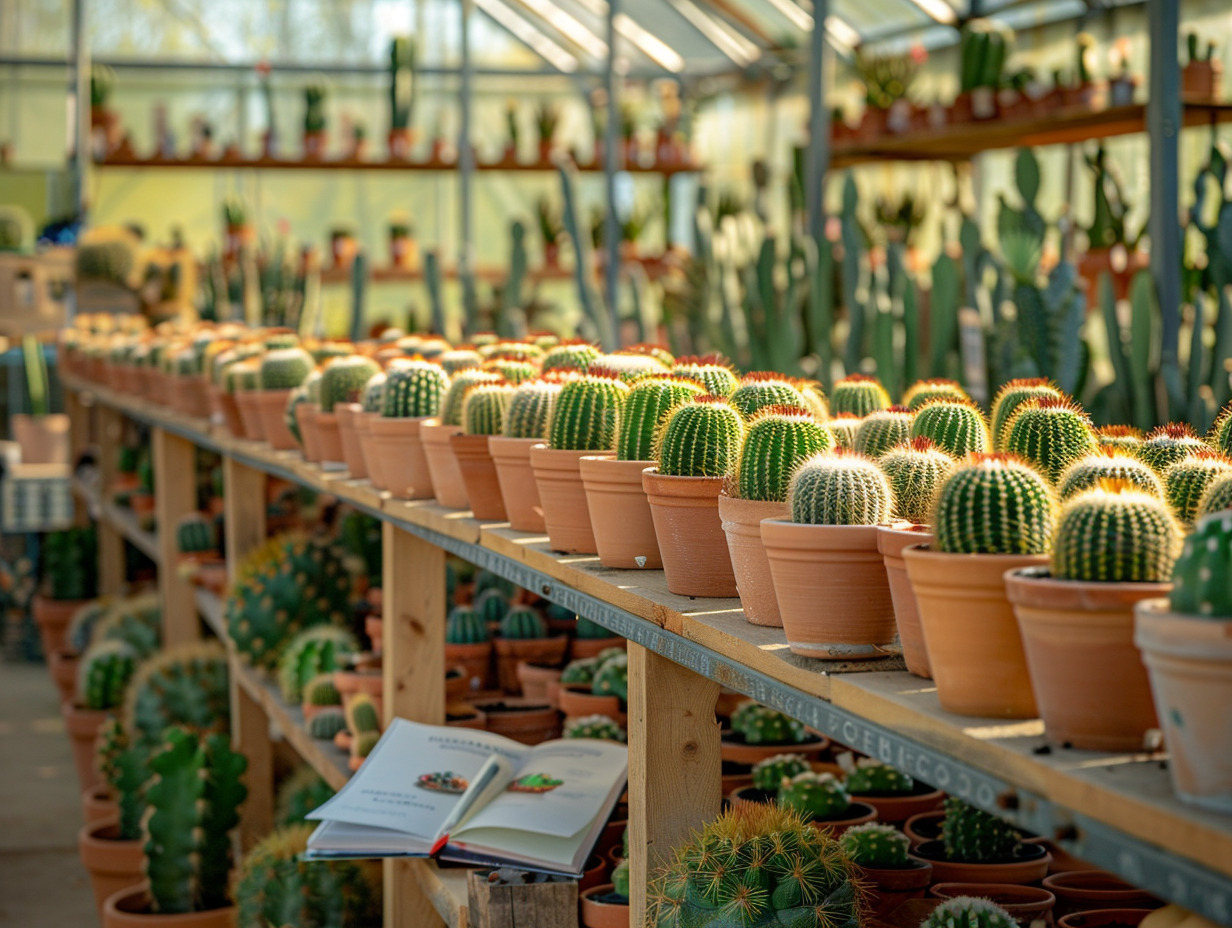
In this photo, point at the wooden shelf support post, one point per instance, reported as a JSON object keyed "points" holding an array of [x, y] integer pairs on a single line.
{"points": [[675, 773], [250, 736], [109, 430], [244, 512], [175, 495]]}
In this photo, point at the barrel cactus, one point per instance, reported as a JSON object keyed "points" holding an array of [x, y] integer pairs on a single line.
{"points": [[123, 767], [1108, 463], [601, 727], [459, 359], [815, 795], [1122, 437], [1115, 533], [916, 470], [491, 605], [612, 678], [758, 724], [530, 408], [413, 389], [629, 368], [874, 778], [1187, 480], [778, 440], [1200, 576], [136, 621], [183, 685], [713, 372], [770, 772], [1049, 433], [241, 377], [523, 623], [648, 403], [1013, 395], [320, 691], [876, 846], [585, 413], [882, 430], [759, 389], [1220, 435], [858, 394], [922, 391], [343, 380], [514, 372], [994, 504], [311, 653], [845, 427], [285, 368], [483, 410], [1218, 496], [194, 534], [103, 674], [841, 488], [957, 427], [327, 723], [969, 912], [700, 438], [575, 355], [513, 351], [464, 626], [971, 835], [461, 384], [1167, 444]]}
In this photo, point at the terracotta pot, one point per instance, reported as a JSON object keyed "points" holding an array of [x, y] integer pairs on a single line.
{"points": [[43, 439], [536, 681], [403, 468], [1088, 677], [593, 873], [52, 617], [228, 409], [97, 804], [974, 649], [130, 908], [271, 406], [596, 914], [1084, 890], [1027, 904], [924, 826], [523, 720], [620, 513], [1104, 918], [562, 496], [741, 520], [367, 450], [464, 715], [374, 628], [891, 539], [593, 647], [82, 726], [306, 417], [190, 397], [63, 666], [349, 416], [1030, 866], [854, 619], [457, 684], [696, 561], [733, 748], [479, 477], [519, 490], [330, 437], [891, 888], [894, 810], [511, 651], [858, 813], [1190, 665], [577, 701], [447, 484], [113, 864], [248, 406], [475, 658]]}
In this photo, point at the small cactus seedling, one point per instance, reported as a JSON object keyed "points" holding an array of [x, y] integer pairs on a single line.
{"points": [[759, 724], [1013, 395], [994, 504], [580, 671], [1049, 434], [530, 408], [971, 835], [1218, 497], [648, 403], [313, 652], [326, 724], [194, 534], [523, 623], [712, 372], [1123, 437], [957, 427], [845, 427], [285, 368], [1115, 533], [969, 912], [858, 395], [464, 626], [483, 410], [460, 386], [769, 773], [700, 438], [882, 430], [1108, 463], [916, 471], [760, 389], [1167, 444], [876, 846], [585, 414], [601, 727], [571, 356], [343, 380], [320, 691], [817, 796], [612, 678], [778, 440], [839, 489], [922, 391], [1200, 577], [1187, 480], [104, 673], [873, 778], [413, 389]]}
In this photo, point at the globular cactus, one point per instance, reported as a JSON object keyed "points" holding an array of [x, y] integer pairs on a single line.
{"points": [[483, 410], [363, 742], [712, 371], [104, 673], [489, 580], [842, 488], [530, 407], [512, 351], [969, 912], [1218, 497], [858, 394], [994, 504], [1115, 533], [194, 534], [1121, 437], [460, 385], [184, 685], [1220, 435], [778, 440], [123, 767], [523, 623], [413, 389], [464, 626], [770, 772], [570, 356], [957, 427], [665, 358], [580, 671], [882, 430], [321, 691], [815, 396], [285, 368], [137, 622], [241, 377], [595, 726], [845, 427], [459, 359], [916, 470], [874, 778], [648, 403], [492, 605], [1200, 576], [1167, 444], [299, 794], [325, 351], [1012, 395], [585, 413], [279, 339], [313, 652], [971, 835], [362, 715], [373, 399], [1049, 433], [815, 795], [760, 389], [1187, 480], [514, 372], [876, 846], [922, 391], [629, 368], [700, 438], [1108, 463], [343, 380], [612, 678], [759, 724], [326, 724]]}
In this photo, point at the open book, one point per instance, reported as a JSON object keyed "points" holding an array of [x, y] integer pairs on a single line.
{"points": [[474, 797]]}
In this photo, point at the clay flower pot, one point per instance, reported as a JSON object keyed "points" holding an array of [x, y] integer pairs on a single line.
{"points": [[457, 684], [272, 412], [619, 512], [741, 520], [523, 720], [831, 585], [82, 726], [974, 649], [349, 416], [43, 439], [475, 658], [447, 484], [130, 908], [857, 813], [225, 407], [519, 490], [351, 683], [113, 864], [1104, 918], [479, 477], [330, 437], [403, 468], [306, 417], [1030, 865], [1088, 677], [367, 451], [511, 651], [190, 397], [464, 715], [1190, 664], [97, 804], [566, 515], [891, 539], [52, 617], [696, 561], [892, 887], [894, 810], [63, 666], [249, 408], [592, 874], [577, 701], [1027, 904], [537, 679], [600, 913], [1084, 890]]}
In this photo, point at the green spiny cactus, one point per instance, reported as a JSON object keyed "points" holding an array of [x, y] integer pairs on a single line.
{"points": [[299, 794], [760, 389], [413, 389], [241, 377], [123, 767], [817, 796], [1049, 434], [194, 534], [522, 623], [81, 627], [1218, 497], [916, 470], [1200, 576], [530, 408], [620, 878], [492, 605], [841, 488], [459, 359], [648, 403], [1167, 444], [873, 778], [362, 714], [629, 368], [580, 671], [845, 427], [70, 563], [994, 504], [514, 371], [759, 724], [595, 726], [711, 371], [1115, 533], [321, 691], [297, 396], [971, 835], [343, 380], [956, 427], [700, 438], [464, 626], [285, 368], [1220, 435], [184, 685], [570, 356], [858, 395], [969, 912], [327, 723], [876, 846], [612, 678], [137, 622], [313, 652], [363, 743], [512, 351], [922, 391], [1187, 480], [585, 413], [104, 673], [1108, 463], [1012, 395], [373, 399], [483, 410], [770, 772], [1121, 437], [777, 441], [882, 430]]}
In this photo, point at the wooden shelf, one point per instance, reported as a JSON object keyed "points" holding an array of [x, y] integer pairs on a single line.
{"points": [[121, 519]]}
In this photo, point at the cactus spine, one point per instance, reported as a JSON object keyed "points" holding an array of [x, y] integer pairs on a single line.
{"points": [[1115, 533], [1167, 444], [413, 389], [956, 427], [764, 388], [103, 674], [570, 356], [994, 504], [483, 411], [530, 407], [585, 414], [916, 470], [1200, 576], [648, 403], [1187, 480], [778, 440], [1218, 496], [882, 430], [839, 489], [845, 427], [1108, 463], [1013, 395], [700, 438], [1050, 434], [969, 912]]}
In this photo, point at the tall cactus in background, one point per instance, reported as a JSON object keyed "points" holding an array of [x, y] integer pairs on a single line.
{"points": [[594, 313]]}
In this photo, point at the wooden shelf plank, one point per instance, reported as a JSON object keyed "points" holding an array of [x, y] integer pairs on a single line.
{"points": [[122, 519]]}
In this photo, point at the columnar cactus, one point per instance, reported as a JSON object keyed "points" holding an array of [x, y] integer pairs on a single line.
{"points": [[712, 371], [184, 685], [413, 389], [1049, 434], [957, 427], [595, 726], [459, 359], [845, 427], [922, 391], [311, 653], [882, 430], [916, 470], [103, 674], [123, 767], [522, 622], [841, 488], [815, 795], [971, 835], [194, 534], [1218, 497], [770, 772], [573, 355], [1200, 577], [464, 626], [483, 410], [1108, 463], [1167, 444], [343, 380], [1115, 533], [759, 389], [759, 724], [460, 385], [285, 368], [1013, 395], [612, 678], [1187, 480], [969, 912], [873, 778], [876, 846], [530, 407], [585, 414], [362, 714], [994, 504], [648, 403], [1123, 437], [700, 438]]}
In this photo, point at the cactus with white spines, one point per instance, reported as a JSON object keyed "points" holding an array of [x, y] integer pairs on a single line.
{"points": [[882, 430], [922, 391], [585, 413], [1108, 463], [1012, 395], [994, 504], [460, 386], [858, 394], [1186, 481], [483, 411], [1115, 533], [700, 438], [916, 470], [841, 488], [876, 846], [529, 409], [759, 389], [712, 371], [1164, 446], [413, 389]]}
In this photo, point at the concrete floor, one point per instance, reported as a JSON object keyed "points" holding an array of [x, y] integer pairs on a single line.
{"points": [[42, 882]]}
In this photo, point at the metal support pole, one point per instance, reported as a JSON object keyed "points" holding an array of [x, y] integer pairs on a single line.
{"points": [[817, 156], [611, 231], [1163, 121], [78, 128], [466, 166]]}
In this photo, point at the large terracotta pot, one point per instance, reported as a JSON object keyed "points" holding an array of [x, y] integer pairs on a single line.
{"points": [[1029, 866], [249, 407], [43, 439], [576, 701], [519, 490], [330, 437], [1088, 677], [228, 409], [271, 408], [891, 888], [130, 908], [523, 720], [1190, 664], [63, 666], [1084, 890], [349, 416], [367, 450], [539, 681], [1027, 904], [306, 417], [403, 467], [447, 484], [566, 515], [113, 864], [98, 804], [619, 512], [475, 658], [896, 809], [511, 651], [741, 520], [82, 726], [891, 539], [52, 617], [696, 561], [974, 649], [599, 914], [831, 585], [479, 477]]}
